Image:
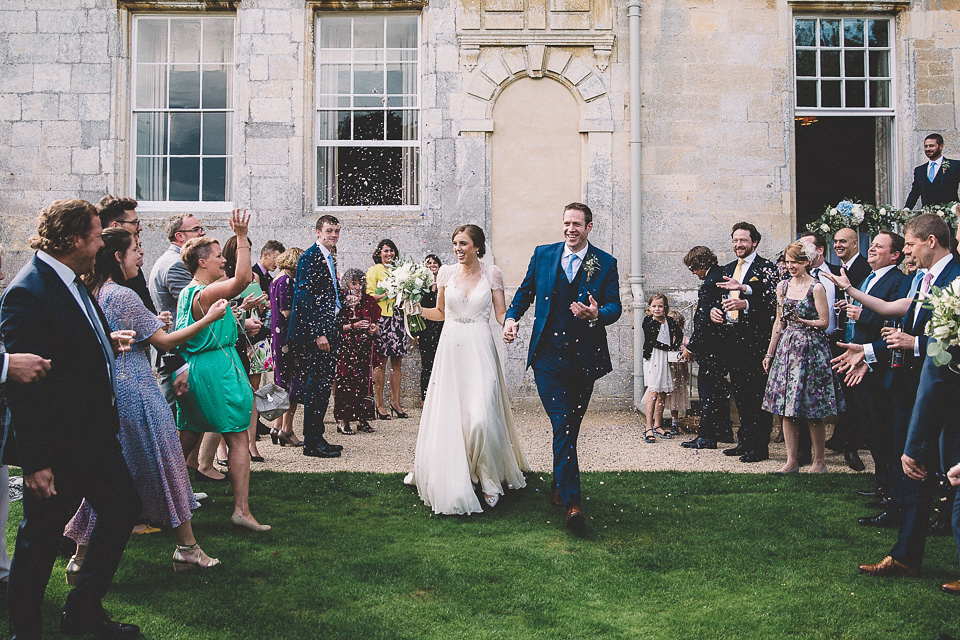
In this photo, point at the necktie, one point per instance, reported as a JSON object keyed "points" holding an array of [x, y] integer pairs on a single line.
{"points": [[735, 295], [927, 279], [97, 328], [913, 292], [932, 171], [571, 266], [866, 285], [333, 273]]}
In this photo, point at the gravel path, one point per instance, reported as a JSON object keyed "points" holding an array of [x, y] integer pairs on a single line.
{"points": [[609, 441]]}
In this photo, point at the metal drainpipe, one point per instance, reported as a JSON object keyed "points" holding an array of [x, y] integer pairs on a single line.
{"points": [[636, 222]]}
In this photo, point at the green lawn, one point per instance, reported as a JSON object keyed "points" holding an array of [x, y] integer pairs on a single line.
{"points": [[666, 555]]}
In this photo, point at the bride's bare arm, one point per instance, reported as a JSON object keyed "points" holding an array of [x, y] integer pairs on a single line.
{"points": [[436, 313], [499, 305]]}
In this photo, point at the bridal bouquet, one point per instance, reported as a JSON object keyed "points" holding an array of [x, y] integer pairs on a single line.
{"points": [[406, 283], [944, 322]]}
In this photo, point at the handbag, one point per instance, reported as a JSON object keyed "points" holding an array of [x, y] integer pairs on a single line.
{"points": [[271, 401]]}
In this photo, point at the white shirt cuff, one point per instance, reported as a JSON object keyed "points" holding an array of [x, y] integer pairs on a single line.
{"points": [[181, 370], [869, 354], [749, 290], [916, 347], [3, 369]]}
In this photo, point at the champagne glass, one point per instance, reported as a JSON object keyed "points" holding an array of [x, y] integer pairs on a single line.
{"points": [[125, 325]]}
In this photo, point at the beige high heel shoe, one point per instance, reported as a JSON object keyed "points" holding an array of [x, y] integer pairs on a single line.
{"points": [[184, 560], [73, 570], [242, 524]]}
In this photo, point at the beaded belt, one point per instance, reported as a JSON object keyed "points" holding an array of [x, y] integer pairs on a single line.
{"points": [[464, 320]]}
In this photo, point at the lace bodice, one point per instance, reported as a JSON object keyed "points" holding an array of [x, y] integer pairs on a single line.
{"points": [[477, 305]]}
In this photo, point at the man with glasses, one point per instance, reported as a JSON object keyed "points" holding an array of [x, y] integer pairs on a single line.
{"points": [[122, 212]]}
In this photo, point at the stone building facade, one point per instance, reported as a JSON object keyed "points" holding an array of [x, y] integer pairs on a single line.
{"points": [[406, 118]]}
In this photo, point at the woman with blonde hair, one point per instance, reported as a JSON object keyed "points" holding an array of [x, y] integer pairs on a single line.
{"points": [[288, 359], [801, 383]]}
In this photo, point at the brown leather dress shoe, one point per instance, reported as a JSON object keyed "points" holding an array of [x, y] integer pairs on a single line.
{"points": [[951, 587], [575, 520], [555, 498], [889, 567]]}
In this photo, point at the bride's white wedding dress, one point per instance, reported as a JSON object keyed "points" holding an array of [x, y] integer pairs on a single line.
{"points": [[466, 430]]}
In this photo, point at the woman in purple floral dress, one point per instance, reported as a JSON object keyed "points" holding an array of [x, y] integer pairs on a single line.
{"points": [[288, 360], [801, 382]]}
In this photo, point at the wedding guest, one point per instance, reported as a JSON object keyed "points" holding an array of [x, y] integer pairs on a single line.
{"points": [[660, 335], [289, 371], [429, 337], [937, 180], [391, 338], [122, 213], [679, 399], [250, 304], [267, 263], [219, 399], [148, 435], [801, 383], [352, 386]]}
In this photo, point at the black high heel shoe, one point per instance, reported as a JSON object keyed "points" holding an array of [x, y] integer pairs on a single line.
{"points": [[274, 436], [397, 412], [284, 439], [254, 458], [382, 416]]}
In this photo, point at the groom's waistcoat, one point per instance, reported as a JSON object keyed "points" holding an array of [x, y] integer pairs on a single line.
{"points": [[559, 330]]}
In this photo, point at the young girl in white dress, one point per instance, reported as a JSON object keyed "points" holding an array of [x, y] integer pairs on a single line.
{"points": [[660, 336], [466, 435]]}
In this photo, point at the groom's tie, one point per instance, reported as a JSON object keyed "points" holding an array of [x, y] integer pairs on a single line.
{"points": [[571, 266], [932, 172]]}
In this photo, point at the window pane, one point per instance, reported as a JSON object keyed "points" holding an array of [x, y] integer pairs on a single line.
{"points": [[878, 33], [216, 93], [829, 93], [214, 179], [368, 33], [879, 64], [151, 179], [152, 40], [402, 101], [334, 78], [368, 79], [401, 78], [807, 93], [402, 125], [402, 55], [806, 63], [853, 66], [368, 55], [216, 134], [368, 125], [151, 134], [853, 33], [151, 86], [368, 101], [218, 40], [184, 87], [856, 93], [335, 33], [333, 125], [879, 93], [805, 31], [402, 32], [388, 176], [326, 176], [184, 135], [185, 179], [185, 41], [830, 64], [829, 33]]}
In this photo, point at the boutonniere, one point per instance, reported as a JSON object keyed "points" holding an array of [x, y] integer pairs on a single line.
{"points": [[945, 165], [591, 265]]}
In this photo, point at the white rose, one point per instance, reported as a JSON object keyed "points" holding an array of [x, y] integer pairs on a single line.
{"points": [[883, 211], [825, 228], [833, 211]]}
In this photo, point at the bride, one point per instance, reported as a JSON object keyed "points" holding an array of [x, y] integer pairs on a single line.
{"points": [[466, 431]]}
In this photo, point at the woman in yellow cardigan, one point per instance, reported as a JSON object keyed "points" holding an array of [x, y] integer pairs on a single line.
{"points": [[391, 339]]}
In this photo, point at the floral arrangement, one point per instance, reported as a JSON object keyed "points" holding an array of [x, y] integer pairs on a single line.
{"points": [[944, 305], [950, 212], [406, 283], [859, 216]]}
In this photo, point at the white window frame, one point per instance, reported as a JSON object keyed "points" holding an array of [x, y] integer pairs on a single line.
{"points": [[176, 206], [318, 143], [844, 111]]}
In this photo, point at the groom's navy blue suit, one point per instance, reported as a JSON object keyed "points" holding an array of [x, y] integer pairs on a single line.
{"points": [[568, 354]]}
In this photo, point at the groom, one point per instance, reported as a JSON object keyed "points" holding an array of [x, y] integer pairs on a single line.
{"points": [[577, 293]]}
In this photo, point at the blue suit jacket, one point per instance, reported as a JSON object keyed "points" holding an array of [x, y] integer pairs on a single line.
{"points": [[942, 190], [604, 286], [70, 412], [313, 312]]}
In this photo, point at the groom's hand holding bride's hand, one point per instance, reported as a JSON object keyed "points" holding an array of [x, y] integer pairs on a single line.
{"points": [[584, 312], [509, 330]]}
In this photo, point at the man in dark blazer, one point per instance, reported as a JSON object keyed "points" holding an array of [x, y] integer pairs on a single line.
{"points": [[313, 323], [747, 321], [577, 292], [65, 425], [937, 180], [706, 347], [927, 240], [267, 263], [869, 403]]}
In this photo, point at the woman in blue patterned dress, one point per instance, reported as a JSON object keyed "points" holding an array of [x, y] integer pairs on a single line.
{"points": [[148, 434], [801, 382]]}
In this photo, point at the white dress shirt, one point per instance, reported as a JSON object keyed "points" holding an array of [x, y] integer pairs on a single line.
{"points": [[565, 257]]}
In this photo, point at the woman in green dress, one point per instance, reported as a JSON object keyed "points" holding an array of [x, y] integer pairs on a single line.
{"points": [[219, 398]]}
